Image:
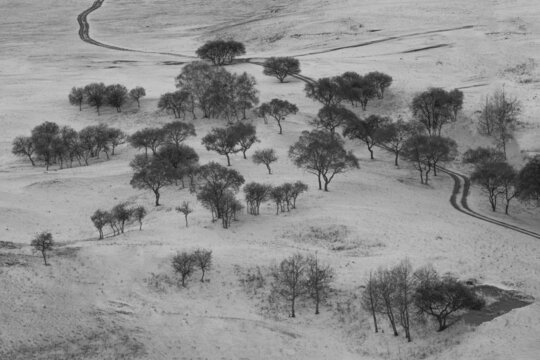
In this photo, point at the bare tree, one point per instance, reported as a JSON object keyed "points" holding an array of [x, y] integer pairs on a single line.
{"points": [[394, 135], [203, 260], [499, 118], [371, 299], [441, 297], [322, 154], [381, 81], [318, 279], [496, 179], [147, 138], [100, 218], [528, 181], [177, 131], [278, 110], [224, 141], [368, 130], [184, 264], [297, 188], [139, 213], [152, 174], [247, 136], [221, 52], [122, 213], [76, 97], [327, 91], [266, 157], [289, 279], [405, 286], [387, 291], [185, 209], [136, 94], [436, 107], [332, 117], [281, 67], [43, 242], [96, 95], [24, 146], [116, 96]]}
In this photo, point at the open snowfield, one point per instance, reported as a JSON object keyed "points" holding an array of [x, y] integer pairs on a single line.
{"points": [[95, 301]]}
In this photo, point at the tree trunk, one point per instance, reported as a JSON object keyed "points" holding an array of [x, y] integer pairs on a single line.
{"points": [[156, 192], [44, 257], [202, 277], [317, 301], [244, 152], [228, 160], [269, 170], [320, 183], [138, 104], [140, 225], [396, 158], [186, 220], [280, 129], [292, 307]]}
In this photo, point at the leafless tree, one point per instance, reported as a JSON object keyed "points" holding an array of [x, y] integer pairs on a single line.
{"points": [[266, 157], [203, 260], [289, 279], [43, 242], [184, 264], [318, 279], [185, 209]]}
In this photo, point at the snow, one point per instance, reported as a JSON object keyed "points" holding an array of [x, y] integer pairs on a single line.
{"points": [[98, 295]]}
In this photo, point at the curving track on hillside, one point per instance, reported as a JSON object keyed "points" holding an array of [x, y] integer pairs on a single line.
{"points": [[84, 34], [462, 184], [461, 205]]}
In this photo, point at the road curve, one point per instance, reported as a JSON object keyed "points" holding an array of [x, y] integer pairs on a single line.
{"points": [[84, 34], [461, 205], [463, 184]]}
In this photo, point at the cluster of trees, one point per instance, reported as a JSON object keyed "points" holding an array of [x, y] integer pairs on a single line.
{"points": [[221, 52], [232, 139], [98, 95], [349, 87], [299, 277], [284, 196], [216, 189], [186, 263], [436, 107], [212, 90], [53, 144], [170, 135], [399, 292], [117, 218], [500, 180]]}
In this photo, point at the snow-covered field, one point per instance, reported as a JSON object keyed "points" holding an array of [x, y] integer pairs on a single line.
{"points": [[94, 301]]}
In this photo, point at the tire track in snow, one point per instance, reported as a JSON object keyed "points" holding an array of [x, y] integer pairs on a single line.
{"points": [[84, 34], [463, 184]]}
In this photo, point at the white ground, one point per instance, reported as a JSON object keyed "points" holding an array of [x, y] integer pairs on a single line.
{"points": [[95, 298]]}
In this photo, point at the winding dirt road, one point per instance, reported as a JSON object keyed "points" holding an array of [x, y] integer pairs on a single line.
{"points": [[84, 34], [461, 182]]}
